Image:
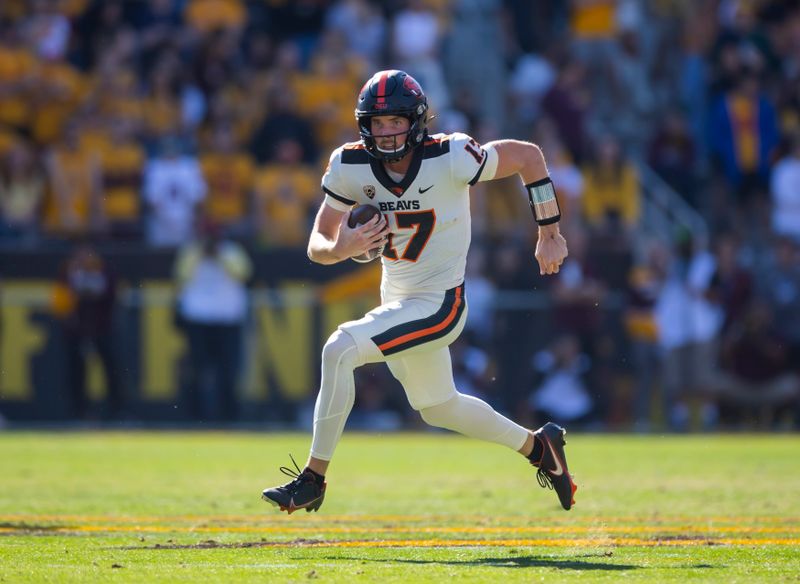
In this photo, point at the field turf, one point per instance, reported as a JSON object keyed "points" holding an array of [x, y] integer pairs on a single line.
{"points": [[181, 507]]}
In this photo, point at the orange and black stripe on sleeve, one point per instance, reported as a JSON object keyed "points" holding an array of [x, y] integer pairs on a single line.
{"points": [[411, 334]]}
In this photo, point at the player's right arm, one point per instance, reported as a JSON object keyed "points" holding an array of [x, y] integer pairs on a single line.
{"points": [[332, 240]]}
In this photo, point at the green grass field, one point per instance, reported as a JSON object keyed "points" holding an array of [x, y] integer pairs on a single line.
{"points": [[171, 507]]}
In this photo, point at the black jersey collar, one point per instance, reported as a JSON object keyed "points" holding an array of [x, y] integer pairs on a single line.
{"points": [[399, 189]]}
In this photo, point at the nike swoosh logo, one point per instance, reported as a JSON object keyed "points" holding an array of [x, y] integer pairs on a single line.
{"points": [[559, 470], [421, 190]]}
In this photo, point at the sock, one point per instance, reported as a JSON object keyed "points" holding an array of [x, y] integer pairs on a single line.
{"points": [[538, 450], [318, 478]]}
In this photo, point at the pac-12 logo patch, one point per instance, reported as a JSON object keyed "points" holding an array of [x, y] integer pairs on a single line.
{"points": [[369, 190]]}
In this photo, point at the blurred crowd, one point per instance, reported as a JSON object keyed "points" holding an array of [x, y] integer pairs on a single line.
{"points": [[155, 123]]}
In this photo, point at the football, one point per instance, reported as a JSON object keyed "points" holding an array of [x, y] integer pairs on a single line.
{"points": [[358, 216]]}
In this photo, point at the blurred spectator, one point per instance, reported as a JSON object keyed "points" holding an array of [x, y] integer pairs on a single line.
{"points": [[778, 285], [466, 61], [96, 30], [562, 396], [567, 102], [593, 25], [334, 74], [158, 24], [283, 123], [672, 154], [631, 110], [212, 305], [732, 285], [689, 324], [742, 41], [260, 73], [18, 68], [482, 295], [645, 281], [376, 410], [218, 63], [744, 134], [47, 30], [757, 380], [789, 101], [415, 47], [364, 28], [285, 195], [83, 301], [76, 185], [299, 22], [173, 189], [611, 187], [22, 182], [163, 108], [208, 16], [696, 30], [474, 370], [514, 342], [538, 25], [531, 78], [229, 175], [122, 160], [57, 95], [577, 293], [785, 191], [114, 98]]}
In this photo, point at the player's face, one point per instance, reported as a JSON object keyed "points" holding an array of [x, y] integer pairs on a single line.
{"points": [[390, 132]]}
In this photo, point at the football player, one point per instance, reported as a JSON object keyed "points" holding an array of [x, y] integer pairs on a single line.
{"points": [[420, 183]]}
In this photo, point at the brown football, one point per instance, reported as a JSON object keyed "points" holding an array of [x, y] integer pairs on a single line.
{"points": [[362, 214], [358, 216]]}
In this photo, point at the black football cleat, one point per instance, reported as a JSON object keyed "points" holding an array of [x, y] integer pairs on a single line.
{"points": [[553, 472], [303, 492]]}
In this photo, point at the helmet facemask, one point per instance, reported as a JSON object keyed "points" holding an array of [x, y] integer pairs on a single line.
{"points": [[414, 134]]}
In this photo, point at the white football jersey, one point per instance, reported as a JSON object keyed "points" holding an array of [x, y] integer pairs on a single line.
{"points": [[428, 210]]}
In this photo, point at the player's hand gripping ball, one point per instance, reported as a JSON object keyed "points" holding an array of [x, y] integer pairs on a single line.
{"points": [[358, 216]]}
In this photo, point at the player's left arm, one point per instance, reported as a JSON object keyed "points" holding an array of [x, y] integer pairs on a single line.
{"points": [[526, 160]]}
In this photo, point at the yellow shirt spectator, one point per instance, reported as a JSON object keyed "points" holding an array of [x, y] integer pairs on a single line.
{"points": [[61, 90], [208, 15], [116, 96], [74, 189], [122, 164], [162, 115], [8, 140], [21, 187], [17, 67], [230, 179], [611, 191], [283, 196], [594, 19], [334, 77]]}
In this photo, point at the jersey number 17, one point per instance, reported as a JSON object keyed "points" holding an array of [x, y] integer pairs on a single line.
{"points": [[423, 222]]}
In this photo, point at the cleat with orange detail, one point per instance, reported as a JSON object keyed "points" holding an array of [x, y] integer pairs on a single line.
{"points": [[553, 472], [305, 491]]}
